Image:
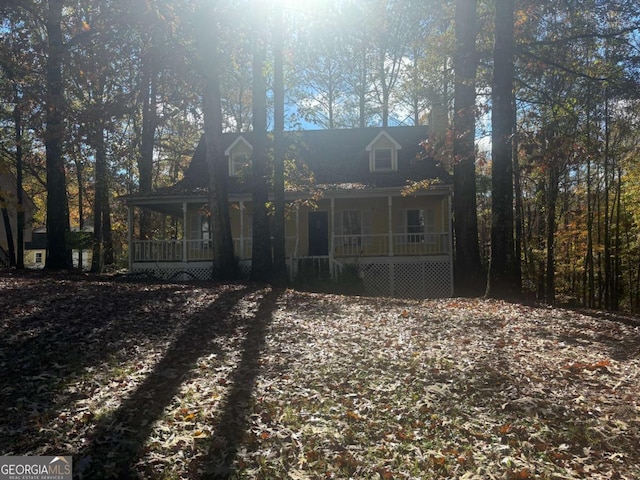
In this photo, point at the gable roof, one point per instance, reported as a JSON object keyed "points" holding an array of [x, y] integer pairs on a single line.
{"points": [[382, 134], [240, 139], [339, 159]]}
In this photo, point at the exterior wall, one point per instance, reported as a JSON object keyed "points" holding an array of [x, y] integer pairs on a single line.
{"points": [[376, 207], [35, 258]]}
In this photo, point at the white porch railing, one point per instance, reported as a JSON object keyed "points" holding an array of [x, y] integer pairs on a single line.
{"points": [[157, 250], [421, 244], [402, 244], [343, 246], [194, 250]]}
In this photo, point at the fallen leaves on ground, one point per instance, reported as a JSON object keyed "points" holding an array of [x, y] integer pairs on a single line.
{"points": [[163, 381]]}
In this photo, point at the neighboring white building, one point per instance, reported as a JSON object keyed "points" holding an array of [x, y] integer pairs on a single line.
{"points": [[35, 251]]}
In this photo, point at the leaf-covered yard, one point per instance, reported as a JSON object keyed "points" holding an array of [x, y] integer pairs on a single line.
{"points": [[168, 381]]}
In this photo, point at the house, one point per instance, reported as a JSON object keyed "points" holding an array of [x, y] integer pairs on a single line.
{"points": [[35, 251], [399, 243], [9, 200]]}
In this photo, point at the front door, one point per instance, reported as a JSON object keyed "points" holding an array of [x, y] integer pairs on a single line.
{"points": [[318, 234]]}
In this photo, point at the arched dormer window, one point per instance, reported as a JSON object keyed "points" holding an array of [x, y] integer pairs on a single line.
{"points": [[383, 153], [239, 153]]}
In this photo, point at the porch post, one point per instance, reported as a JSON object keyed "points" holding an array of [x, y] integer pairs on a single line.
{"points": [[130, 233], [185, 257], [390, 215], [241, 252]]}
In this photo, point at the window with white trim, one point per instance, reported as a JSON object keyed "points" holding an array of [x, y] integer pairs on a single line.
{"points": [[383, 153], [417, 225], [239, 164], [420, 224], [355, 226], [383, 159], [201, 229]]}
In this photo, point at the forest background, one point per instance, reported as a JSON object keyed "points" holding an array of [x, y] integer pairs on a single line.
{"points": [[100, 99]]}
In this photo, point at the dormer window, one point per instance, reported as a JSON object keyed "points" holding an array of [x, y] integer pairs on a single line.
{"points": [[239, 164], [239, 153], [382, 159], [383, 153]]}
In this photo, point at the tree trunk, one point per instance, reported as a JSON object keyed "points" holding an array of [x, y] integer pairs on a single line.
{"points": [[8, 231], [58, 256], [518, 201], [607, 222], [20, 224], [385, 90], [470, 278], [362, 88], [107, 233], [224, 262], [97, 261], [590, 297], [616, 282], [552, 196], [541, 196], [261, 260], [148, 91], [502, 282], [80, 180], [279, 234]]}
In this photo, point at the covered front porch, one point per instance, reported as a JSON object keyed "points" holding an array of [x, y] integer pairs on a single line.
{"points": [[397, 243], [344, 246]]}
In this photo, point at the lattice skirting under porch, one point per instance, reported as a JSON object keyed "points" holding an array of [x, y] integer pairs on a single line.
{"points": [[408, 279], [174, 272], [387, 277], [180, 272]]}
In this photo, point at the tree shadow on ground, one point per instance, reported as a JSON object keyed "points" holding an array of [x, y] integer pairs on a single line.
{"points": [[540, 418], [620, 338], [230, 427], [56, 329], [118, 437]]}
